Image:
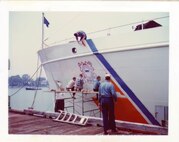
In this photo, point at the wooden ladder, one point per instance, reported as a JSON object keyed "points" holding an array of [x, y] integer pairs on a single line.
{"points": [[71, 118]]}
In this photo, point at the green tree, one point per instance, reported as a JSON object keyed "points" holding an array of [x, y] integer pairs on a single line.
{"points": [[26, 79], [15, 81], [39, 81]]}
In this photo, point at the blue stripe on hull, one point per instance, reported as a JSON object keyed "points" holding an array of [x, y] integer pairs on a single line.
{"points": [[122, 83]]}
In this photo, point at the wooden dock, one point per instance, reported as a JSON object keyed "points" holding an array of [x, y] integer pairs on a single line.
{"points": [[22, 123], [27, 124]]}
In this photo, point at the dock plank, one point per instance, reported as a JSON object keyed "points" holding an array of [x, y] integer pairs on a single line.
{"points": [[21, 123], [25, 124]]}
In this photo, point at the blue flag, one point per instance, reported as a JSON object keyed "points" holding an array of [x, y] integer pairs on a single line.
{"points": [[46, 22]]}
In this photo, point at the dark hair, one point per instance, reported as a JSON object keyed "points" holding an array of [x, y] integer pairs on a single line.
{"points": [[74, 78], [107, 77], [98, 77]]}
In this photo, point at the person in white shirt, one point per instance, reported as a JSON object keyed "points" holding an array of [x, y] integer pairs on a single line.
{"points": [[71, 86], [79, 83], [59, 102]]}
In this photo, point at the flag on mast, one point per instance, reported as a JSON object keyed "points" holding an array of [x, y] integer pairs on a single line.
{"points": [[46, 22]]}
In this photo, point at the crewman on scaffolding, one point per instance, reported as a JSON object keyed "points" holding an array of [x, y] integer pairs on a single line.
{"points": [[59, 102], [96, 86], [79, 83], [82, 36], [71, 86]]}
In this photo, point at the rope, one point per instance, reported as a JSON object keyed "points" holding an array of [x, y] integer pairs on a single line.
{"points": [[120, 26], [66, 24], [25, 83], [125, 25], [63, 27], [36, 89]]}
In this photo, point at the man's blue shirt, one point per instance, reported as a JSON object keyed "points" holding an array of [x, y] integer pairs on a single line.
{"points": [[106, 89], [96, 85]]}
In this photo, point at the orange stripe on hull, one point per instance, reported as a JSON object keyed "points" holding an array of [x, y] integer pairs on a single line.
{"points": [[125, 111], [116, 87]]}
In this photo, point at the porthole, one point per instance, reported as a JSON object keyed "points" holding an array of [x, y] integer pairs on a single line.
{"points": [[74, 50]]}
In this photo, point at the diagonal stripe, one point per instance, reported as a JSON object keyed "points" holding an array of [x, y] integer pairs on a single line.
{"points": [[117, 88], [122, 83]]}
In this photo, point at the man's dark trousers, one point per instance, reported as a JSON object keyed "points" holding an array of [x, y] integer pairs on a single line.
{"points": [[107, 105]]}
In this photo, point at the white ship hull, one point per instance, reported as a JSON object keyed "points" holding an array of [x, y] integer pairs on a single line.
{"points": [[138, 63]]}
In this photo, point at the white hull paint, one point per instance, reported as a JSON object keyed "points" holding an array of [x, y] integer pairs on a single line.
{"points": [[138, 62]]}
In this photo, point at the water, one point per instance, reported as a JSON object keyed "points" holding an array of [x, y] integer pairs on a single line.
{"points": [[45, 101]]}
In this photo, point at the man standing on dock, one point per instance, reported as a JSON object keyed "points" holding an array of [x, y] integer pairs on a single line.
{"points": [[107, 97]]}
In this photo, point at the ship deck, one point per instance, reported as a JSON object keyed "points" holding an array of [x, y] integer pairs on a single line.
{"points": [[21, 123]]}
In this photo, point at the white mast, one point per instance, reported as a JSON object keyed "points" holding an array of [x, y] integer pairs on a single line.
{"points": [[42, 30]]}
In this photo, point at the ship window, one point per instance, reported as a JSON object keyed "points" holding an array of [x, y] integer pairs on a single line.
{"points": [[147, 25], [74, 50]]}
